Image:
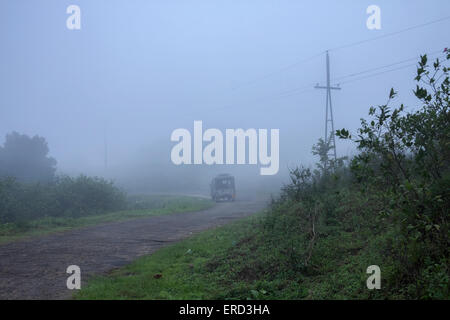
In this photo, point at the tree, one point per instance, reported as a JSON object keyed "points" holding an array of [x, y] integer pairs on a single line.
{"points": [[326, 165], [26, 159]]}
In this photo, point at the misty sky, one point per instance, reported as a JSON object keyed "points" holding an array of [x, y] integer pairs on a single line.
{"points": [[137, 70]]}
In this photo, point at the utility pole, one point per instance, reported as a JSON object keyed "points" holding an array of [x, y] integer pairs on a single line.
{"points": [[329, 136], [105, 147], [106, 153]]}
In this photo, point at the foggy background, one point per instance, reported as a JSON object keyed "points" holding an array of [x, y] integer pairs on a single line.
{"points": [[137, 70]]}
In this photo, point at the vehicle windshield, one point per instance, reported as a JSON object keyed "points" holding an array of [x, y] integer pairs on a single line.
{"points": [[224, 183]]}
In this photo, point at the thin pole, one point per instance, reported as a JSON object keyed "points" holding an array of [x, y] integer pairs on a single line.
{"points": [[105, 144]]}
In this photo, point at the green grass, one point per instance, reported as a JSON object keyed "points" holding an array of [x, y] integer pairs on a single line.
{"points": [[236, 261], [249, 259], [230, 262], [263, 257], [154, 205], [183, 268]]}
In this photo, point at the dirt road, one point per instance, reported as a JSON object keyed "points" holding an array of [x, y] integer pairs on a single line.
{"points": [[36, 268]]}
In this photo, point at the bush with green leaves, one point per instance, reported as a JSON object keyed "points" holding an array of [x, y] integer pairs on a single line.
{"points": [[65, 197], [388, 207], [405, 157], [84, 195]]}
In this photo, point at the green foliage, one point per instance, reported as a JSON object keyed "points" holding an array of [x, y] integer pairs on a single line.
{"points": [[389, 208], [326, 165], [65, 197], [405, 158], [84, 195], [167, 202], [149, 205]]}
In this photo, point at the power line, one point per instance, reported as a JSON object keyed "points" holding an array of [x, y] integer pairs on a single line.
{"points": [[380, 73], [307, 88], [303, 89], [299, 90], [383, 67], [390, 34], [288, 67], [296, 91], [293, 65]]}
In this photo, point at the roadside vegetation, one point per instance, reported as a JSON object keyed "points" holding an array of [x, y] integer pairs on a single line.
{"points": [[131, 207], [388, 206], [34, 200]]}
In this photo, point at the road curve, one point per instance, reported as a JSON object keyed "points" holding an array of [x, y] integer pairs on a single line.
{"points": [[36, 268]]}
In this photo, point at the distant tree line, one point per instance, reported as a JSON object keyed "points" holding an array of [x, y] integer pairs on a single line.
{"points": [[26, 159], [30, 189]]}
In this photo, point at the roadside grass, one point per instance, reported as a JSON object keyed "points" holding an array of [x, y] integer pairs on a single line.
{"points": [[179, 271], [249, 260], [141, 206]]}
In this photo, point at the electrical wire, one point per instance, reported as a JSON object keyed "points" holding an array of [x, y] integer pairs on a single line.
{"points": [[295, 64], [389, 34]]}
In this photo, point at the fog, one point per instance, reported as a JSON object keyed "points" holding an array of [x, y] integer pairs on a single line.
{"points": [[108, 96]]}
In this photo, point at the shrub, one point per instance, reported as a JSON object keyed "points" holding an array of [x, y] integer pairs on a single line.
{"points": [[65, 197], [405, 157]]}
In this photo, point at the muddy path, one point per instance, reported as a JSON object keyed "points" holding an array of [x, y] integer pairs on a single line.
{"points": [[36, 268]]}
